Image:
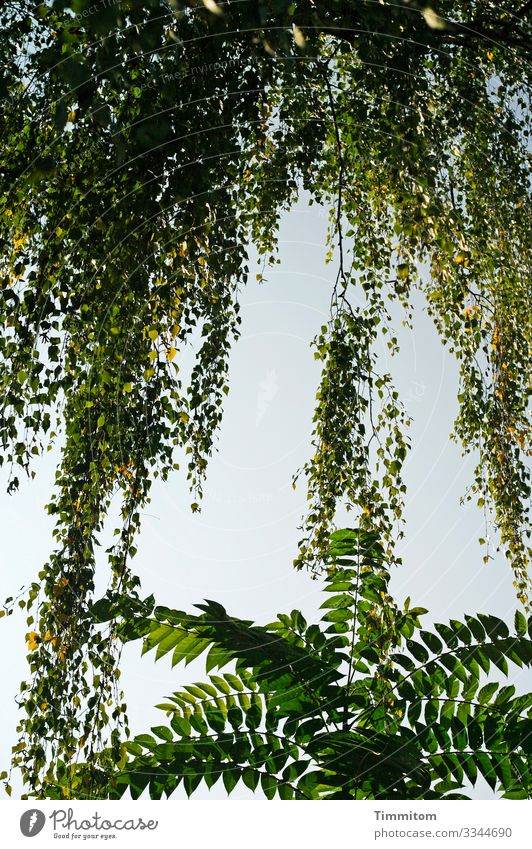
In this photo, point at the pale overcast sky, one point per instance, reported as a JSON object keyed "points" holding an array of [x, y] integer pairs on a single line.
{"points": [[240, 548]]}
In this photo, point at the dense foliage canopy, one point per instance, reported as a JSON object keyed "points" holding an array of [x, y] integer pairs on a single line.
{"points": [[366, 705], [145, 146]]}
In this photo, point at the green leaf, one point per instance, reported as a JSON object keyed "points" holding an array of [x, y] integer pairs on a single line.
{"points": [[268, 784], [486, 693], [417, 650], [181, 725], [163, 732], [486, 768], [520, 623], [231, 777], [476, 628], [432, 641], [468, 764], [474, 733], [250, 777], [494, 626]]}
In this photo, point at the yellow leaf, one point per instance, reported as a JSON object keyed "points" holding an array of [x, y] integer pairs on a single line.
{"points": [[170, 354], [153, 334], [212, 7], [33, 640], [299, 38], [152, 356], [432, 19]]}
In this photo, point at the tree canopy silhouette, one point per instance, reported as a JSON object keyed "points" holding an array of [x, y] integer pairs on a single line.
{"points": [[145, 147]]}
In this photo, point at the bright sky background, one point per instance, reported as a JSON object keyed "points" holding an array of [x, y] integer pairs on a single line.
{"points": [[240, 548]]}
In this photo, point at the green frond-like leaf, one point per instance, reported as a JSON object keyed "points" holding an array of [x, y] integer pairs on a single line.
{"points": [[378, 709]]}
